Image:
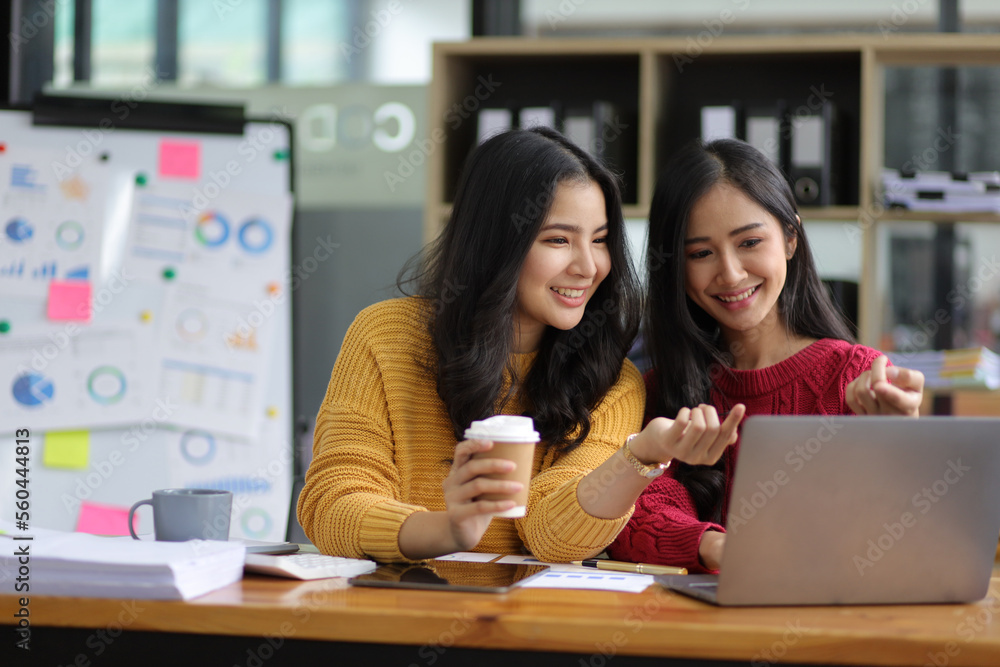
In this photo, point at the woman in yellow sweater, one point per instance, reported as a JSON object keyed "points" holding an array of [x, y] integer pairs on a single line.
{"points": [[527, 305]]}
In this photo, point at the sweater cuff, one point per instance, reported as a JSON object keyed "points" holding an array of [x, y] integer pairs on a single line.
{"points": [[690, 534], [568, 533], [379, 538]]}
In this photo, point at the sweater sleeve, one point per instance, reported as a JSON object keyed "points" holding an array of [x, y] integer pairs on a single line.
{"points": [[350, 504], [664, 528], [556, 528]]}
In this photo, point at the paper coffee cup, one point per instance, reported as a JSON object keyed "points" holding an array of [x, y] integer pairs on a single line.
{"points": [[514, 439]]}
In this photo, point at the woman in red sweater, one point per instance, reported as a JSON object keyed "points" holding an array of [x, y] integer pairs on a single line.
{"points": [[737, 318]]}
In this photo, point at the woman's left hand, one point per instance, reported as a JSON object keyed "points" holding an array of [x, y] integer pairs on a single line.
{"points": [[886, 390]]}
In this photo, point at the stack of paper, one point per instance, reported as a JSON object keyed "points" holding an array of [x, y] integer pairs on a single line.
{"points": [[942, 191], [84, 565], [969, 368]]}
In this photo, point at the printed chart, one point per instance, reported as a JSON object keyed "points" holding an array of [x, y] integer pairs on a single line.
{"points": [[75, 377], [47, 225]]}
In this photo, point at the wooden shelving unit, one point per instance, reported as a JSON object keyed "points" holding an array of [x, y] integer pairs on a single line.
{"points": [[660, 85]]}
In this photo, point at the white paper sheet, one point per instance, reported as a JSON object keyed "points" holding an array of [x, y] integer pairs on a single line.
{"points": [[591, 580], [74, 376], [233, 247], [566, 575], [213, 362], [51, 222]]}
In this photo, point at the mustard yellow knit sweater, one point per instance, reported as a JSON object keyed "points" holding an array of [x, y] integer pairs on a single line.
{"points": [[383, 442]]}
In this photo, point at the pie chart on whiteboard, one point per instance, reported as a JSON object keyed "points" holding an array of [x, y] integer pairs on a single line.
{"points": [[18, 230], [32, 390]]}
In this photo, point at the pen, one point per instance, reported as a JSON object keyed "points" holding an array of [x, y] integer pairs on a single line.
{"points": [[638, 568]]}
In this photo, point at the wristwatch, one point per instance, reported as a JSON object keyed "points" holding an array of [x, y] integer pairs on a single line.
{"points": [[651, 471]]}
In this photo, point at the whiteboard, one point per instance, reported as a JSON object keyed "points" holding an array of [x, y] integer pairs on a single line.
{"points": [[175, 370]]}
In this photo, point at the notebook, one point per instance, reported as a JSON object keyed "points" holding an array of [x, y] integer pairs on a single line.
{"points": [[858, 510]]}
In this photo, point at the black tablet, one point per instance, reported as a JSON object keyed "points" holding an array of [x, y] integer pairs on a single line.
{"points": [[449, 575]]}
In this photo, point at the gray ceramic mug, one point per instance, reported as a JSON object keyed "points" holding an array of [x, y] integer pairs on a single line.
{"points": [[188, 514]]}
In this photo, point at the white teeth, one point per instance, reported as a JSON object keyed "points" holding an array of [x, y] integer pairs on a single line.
{"points": [[572, 293], [739, 297]]}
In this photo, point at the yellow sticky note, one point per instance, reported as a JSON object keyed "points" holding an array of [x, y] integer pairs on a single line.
{"points": [[66, 449]]}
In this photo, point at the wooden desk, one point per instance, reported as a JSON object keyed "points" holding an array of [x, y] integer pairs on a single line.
{"points": [[266, 621]]}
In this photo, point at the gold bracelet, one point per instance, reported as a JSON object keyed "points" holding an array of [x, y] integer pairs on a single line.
{"points": [[651, 471]]}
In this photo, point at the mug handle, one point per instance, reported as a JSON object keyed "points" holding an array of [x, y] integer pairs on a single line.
{"points": [[131, 512]]}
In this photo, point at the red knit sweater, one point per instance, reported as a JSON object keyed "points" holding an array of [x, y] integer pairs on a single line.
{"points": [[665, 527]]}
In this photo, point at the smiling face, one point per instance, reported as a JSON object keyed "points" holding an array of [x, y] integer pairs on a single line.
{"points": [[736, 256], [566, 263]]}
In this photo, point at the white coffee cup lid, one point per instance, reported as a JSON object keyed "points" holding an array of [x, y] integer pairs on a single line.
{"points": [[508, 428]]}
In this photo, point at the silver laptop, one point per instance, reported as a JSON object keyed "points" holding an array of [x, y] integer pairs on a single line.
{"points": [[858, 510]]}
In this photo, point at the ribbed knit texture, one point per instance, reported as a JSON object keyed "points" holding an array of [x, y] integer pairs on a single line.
{"points": [[383, 445], [665, 527]]}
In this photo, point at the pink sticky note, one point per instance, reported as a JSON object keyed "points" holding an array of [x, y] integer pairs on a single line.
{"points": [[103, 519], [180, 159], [69, 300]]}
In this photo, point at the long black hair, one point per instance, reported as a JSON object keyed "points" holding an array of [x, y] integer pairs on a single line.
{"points": [[470, 274], [684, 342]]}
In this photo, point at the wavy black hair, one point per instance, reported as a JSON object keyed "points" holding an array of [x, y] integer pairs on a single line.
{"points": [[684, 342], [470, 274]]}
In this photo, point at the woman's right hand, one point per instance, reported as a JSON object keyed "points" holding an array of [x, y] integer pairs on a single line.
{"points": [[469, 517], [694, 437]]}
